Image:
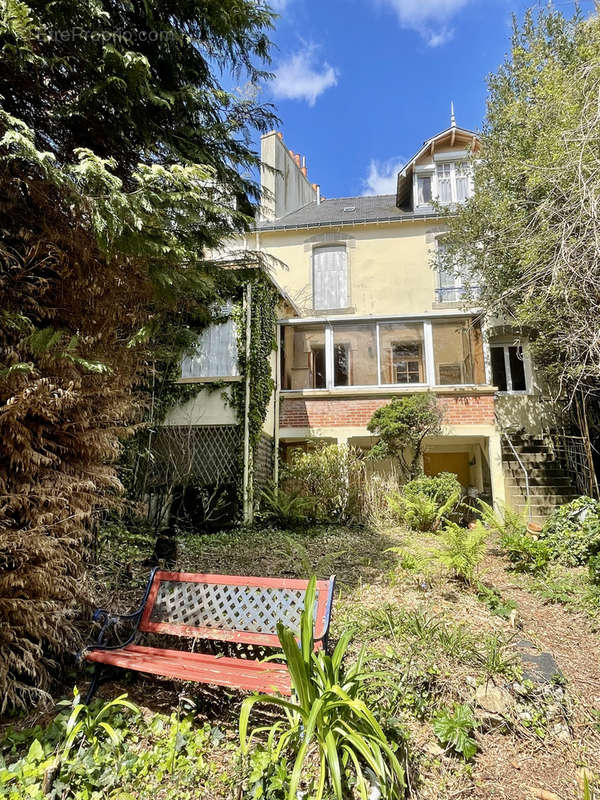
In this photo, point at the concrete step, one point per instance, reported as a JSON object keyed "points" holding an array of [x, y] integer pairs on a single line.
{"points": [[539, 469], [539, 480], [543, 491], [545, 499], [530, 458], [527, 449]]}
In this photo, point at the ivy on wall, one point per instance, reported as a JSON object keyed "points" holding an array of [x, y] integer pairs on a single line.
{"points": [[262, 343]]}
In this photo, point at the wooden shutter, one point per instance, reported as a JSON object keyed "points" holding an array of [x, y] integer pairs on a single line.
{"points": [[330, 277]]}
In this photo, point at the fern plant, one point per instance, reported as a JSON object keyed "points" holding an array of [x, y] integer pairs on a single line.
{"points": [[327, 718], [289, 509], [524, 551], [462, 549]]}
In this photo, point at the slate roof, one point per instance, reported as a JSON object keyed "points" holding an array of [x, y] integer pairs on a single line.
{"points": [[379, 208]]}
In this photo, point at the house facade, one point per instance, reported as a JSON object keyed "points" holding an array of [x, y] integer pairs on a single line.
{"points": [[368, 317]]}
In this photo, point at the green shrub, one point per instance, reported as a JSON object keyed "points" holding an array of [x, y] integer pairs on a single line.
{"points": [[424, 501], [462, 549], [331, 477], [492, 598], [572, 533], [327, 712], [594, 569], [526, 552]]}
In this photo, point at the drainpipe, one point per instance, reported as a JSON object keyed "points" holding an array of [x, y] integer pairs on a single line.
{"points": [[276, 410], [247, 498]]}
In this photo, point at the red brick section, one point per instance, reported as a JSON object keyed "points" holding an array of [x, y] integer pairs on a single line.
{"points": [[343, 412]]}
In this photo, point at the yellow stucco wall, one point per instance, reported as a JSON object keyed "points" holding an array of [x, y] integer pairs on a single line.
{"points": [[389, 264]]}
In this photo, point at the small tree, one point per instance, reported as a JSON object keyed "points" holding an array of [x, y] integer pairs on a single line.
{"points": [[402, 426]]}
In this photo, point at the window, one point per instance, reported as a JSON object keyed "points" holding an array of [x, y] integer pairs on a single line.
{"points": [[355, 355], [330, 355], [215, 354], [457, 353], [444, 182], [406, 363], [424, 193], [508, 368], [330, 277], [303, 362], [401, 352], [462, 179]]}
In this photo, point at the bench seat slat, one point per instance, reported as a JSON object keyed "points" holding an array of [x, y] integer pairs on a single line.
{"points": [[202, 667]]}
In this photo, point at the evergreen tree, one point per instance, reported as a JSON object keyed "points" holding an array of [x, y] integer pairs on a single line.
{"points": [[124, 165]]}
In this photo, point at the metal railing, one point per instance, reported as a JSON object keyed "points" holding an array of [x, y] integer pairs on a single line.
{"points": [[520, 463], [574, 457], [453, 294]]}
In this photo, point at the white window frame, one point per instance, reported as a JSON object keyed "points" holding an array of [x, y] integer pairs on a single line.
{"points": [[429, 366], [431, 170], [234, 375], [506, 348]]}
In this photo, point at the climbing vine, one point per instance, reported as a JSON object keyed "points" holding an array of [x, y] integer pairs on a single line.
{"points": [[262, 344]]}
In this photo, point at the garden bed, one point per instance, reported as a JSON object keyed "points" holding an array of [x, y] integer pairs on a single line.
{"points": [[446, 644]]}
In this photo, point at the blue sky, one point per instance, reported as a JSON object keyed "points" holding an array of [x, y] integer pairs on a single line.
{"points": [[360, 84]]}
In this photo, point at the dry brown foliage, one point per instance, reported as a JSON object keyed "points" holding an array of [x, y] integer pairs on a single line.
{"points": [[60, 421]]}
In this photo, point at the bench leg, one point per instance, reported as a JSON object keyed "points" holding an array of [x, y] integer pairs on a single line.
{"points": [[94, 684]]}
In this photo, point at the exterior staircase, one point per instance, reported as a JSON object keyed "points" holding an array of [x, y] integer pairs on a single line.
{"points": [[550, 485]]}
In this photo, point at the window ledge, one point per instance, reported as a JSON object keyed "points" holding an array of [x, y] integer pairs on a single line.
{"points": [[325, 312], [228, 379], [386, 391]]}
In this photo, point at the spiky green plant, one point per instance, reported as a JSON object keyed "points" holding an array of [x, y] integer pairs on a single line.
{"points": [[326, 718]]}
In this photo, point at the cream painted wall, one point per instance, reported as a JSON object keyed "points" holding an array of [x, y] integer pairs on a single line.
{"points": [[206, 408], [389, 265], [285, 187]]}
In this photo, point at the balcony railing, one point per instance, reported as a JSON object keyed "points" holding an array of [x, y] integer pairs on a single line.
{"points": [[454, 294]]}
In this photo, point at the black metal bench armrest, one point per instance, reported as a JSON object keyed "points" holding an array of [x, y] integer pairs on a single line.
{"points": [[109, 619]]}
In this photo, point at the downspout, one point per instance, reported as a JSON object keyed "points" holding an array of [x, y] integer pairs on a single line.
{"points": [[276, 410], [247, 502]]}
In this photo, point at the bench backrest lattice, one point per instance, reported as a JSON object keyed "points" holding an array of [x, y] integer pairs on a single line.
{"points": [[231, 607]]}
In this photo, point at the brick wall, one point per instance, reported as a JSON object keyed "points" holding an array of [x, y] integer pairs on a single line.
{"points": [[356, 412]]}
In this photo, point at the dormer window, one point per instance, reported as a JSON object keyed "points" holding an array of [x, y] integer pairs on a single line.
{"points": [[444, 181]]}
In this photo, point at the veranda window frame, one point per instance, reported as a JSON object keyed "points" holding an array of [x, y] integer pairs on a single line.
{"points": [[429, 368]]}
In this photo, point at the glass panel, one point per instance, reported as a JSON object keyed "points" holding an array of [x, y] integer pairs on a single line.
{"points": [[355, 355], [517, 369], [457, 353], [401, 352], [443, 172], [424, 190], [330, 277], [215, 354], [303, 357], [461, 175], [498, 368]]}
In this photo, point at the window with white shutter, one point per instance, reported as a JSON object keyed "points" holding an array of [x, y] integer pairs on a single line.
{"points": [[216, 353], [330, 277]]}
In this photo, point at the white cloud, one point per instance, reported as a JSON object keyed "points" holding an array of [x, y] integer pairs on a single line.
{"points": [[382, 176], [430, 18], [299, 77]]}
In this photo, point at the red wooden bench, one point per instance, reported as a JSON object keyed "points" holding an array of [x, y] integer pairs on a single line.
{"points": [[227, 608]]}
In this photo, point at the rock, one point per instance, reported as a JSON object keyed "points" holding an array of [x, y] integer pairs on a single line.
{"points": [[494, 699], [470, 681], [434, 749], [561, 732]]}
